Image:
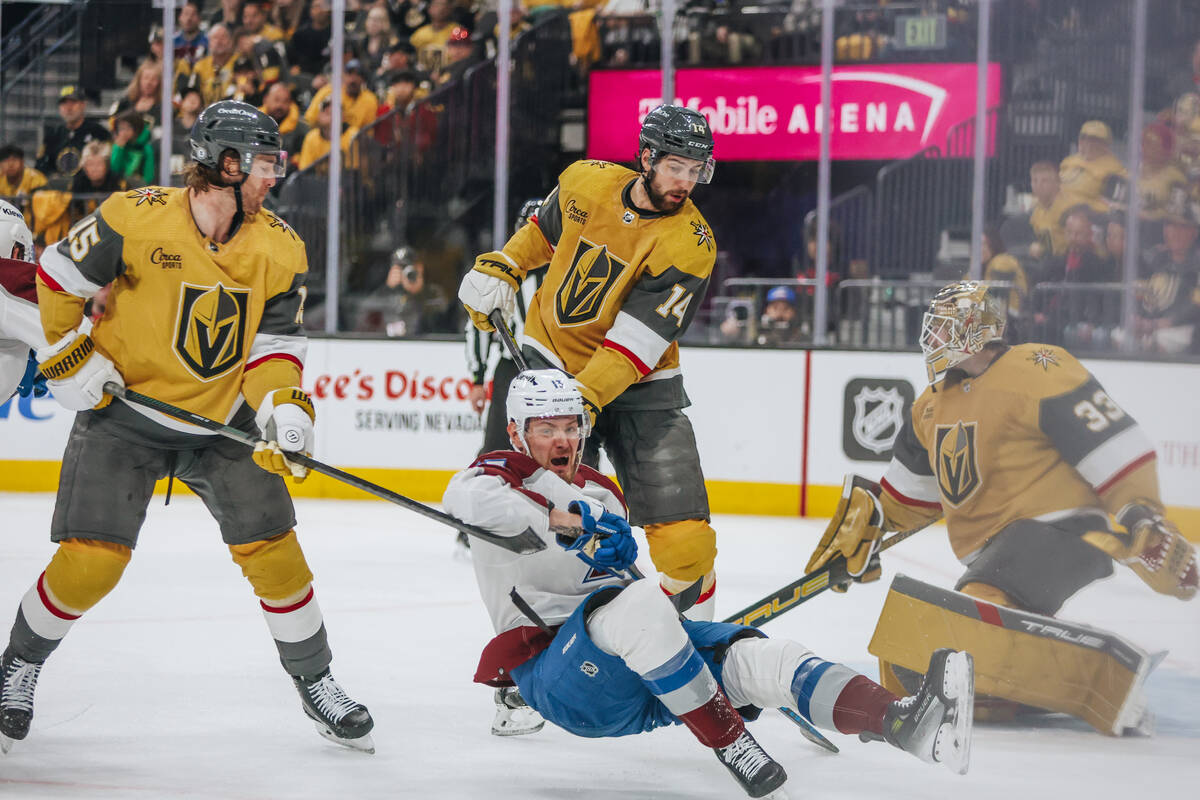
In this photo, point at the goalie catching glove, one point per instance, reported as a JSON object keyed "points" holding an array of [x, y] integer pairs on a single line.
{"points": [[286, 420], [1153, 548], [76, 372], [490, 285], [609, 544], [854, 533]]}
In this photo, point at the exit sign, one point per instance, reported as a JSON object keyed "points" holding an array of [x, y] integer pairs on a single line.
{"points": [[921, 33]]}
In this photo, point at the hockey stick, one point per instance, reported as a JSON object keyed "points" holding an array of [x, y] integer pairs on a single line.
{"points": [[809, 586], [525, 542]]}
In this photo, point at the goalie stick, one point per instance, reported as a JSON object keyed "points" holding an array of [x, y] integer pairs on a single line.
{"points": [[525, 542]]}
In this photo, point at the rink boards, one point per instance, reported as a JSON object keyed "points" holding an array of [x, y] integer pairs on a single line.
{"points": [[777, 429]]}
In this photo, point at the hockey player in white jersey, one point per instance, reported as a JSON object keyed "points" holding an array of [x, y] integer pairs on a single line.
{"points": [[20, 324], [600, 654]]}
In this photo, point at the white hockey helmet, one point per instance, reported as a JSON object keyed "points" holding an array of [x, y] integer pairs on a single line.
{"points": [[16, 241], [540, 393]]}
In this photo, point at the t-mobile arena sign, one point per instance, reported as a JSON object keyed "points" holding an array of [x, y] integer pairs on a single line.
{"points": [[880, 111]]}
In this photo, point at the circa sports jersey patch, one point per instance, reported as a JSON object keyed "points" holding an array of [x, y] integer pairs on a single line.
{"points": [[1044, 358], [210, 330], [704, 237], [957, 461], [150, 194], [590, 278]]}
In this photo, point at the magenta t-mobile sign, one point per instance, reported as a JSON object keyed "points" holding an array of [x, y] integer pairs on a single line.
{"points": [[880, 111]]}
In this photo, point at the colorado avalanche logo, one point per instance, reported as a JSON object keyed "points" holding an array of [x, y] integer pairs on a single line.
{"points": [[150, 194]]}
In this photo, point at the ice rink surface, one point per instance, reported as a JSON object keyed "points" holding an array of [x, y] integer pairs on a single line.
{"points": [[171, 686]]}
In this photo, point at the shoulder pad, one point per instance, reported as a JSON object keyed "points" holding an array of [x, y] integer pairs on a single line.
{"points": [[1045, 369], [123, 207]]}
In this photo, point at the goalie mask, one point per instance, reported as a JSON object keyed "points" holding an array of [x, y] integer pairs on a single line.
{"points": [[542, 394], [16, 242], [962, 319]]}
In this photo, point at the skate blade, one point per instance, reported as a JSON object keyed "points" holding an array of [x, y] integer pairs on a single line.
{"points": [[512, 729], [363, 744], [952, 746], [5, 744]]}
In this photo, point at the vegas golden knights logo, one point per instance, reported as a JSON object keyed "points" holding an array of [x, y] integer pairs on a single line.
{"points": [[592, 274], [211, 329], [957, 462]]}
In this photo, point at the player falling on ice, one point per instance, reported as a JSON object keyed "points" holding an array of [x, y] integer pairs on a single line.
{"points": [[1026, 456], [20, 325], [600, 655], [205, 310], [630, 259]]}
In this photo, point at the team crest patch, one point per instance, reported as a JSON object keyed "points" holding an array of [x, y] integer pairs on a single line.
{"points": [[704, 237], [150, 194], [627, 217], [275, 222], [1044, 358], [957, 462], [210, 330], [589, 669], [592, 275]]}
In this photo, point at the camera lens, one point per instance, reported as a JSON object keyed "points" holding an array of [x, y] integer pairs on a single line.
{"points": [[410, 274], [741, 313]]}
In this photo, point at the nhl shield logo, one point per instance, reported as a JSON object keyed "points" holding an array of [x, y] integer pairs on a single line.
{"points": [[210, 330], [874, 410], [957, 462], [593, 273]]}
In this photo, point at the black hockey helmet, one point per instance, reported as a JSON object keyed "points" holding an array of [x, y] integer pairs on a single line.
{"points": [[675, 130], [238, 126], [528, 209]]}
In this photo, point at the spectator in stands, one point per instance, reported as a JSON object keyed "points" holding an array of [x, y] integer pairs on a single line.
{"points": [[133, 156], [1114, 244], [413, 125], [18, 181], [1050, 206], [405, 304], [309, 48], [215, 70], [317, 142], [1169, 300], [246, 85], [190, 42], [95, 178], [1159, 173], [430, 40], [1000, 265], [372, 45], [780, 323], [143, 95], [720, 45], [406, 16], [399, 57], [461, 55], [190, 104], [229, 15], [254, 22], [279, 105], [286, 15], [1082, 262], [359, 104], [63, 143], [1083, 174]]}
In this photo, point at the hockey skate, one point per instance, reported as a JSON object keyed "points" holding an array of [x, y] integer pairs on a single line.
{"points": [[16, 697], [754, 770], [935, 723], [513, 716], [338, 718]]}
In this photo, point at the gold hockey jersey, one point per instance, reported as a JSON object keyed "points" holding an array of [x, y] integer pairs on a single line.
{"points": [[622, 286], [1034, 437], [190, 321]]}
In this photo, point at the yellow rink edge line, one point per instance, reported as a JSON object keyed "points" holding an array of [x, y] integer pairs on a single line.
{"points": [[427, 485]]}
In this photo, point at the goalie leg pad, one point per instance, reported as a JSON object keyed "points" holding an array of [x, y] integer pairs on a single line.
{"points": [[685, 550], [1019, 655]]}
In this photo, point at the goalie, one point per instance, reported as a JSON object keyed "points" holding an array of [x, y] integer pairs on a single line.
{"points": [[1028, 459]]}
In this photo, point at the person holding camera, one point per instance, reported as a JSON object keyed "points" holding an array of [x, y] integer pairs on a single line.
{"points": [[405, 302]]}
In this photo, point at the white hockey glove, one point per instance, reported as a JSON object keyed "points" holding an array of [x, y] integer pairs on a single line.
{"points": [[286, 419], [76, 372], [491, 284]]}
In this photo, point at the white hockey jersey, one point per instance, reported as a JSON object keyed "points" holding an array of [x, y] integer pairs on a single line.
{"points": [[507, 492], [20, 322]]}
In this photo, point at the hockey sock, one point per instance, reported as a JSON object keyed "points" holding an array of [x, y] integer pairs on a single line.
{"points": [[40, 625], [836, 697], [299, 632]]}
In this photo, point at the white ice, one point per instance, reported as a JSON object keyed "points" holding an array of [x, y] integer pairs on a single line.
{"points": [[171, 686]]}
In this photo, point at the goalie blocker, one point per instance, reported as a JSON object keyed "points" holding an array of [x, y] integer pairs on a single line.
{"points": [[1019, 656]]}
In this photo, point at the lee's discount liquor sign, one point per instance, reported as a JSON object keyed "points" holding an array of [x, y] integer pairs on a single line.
{"points": [[880, 111]]}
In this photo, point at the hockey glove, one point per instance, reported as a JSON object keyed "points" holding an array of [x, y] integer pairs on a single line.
{"points": [[33, 382], [609, 544], [286, 420], [491, 284], [854, 533], [76, 372], [589, 402], [1153, 548]]}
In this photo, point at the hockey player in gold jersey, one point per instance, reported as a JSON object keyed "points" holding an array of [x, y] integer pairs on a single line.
{"points": [[204, 313], [630, 260], [1028, 459]]}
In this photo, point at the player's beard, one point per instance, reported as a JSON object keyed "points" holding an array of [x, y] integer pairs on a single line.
{"points": [[659, 200]]}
